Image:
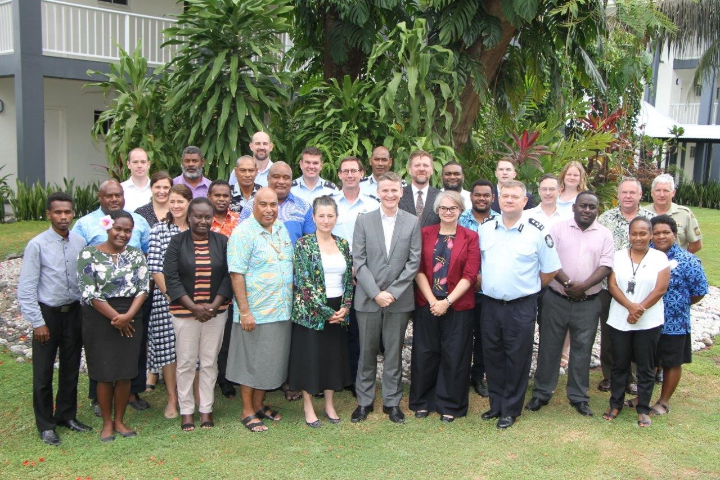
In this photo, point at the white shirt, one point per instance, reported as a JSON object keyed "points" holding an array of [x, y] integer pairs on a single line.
{"points": [[539, 214], [348, 213], [388, 224], [333, 269], [465, 196], [322, 187], [645, 279], [368, 185], [136, 197], [424, 191]]}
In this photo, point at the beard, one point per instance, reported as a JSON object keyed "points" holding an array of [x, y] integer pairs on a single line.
{"points": [[453, 188], [193, 175]]}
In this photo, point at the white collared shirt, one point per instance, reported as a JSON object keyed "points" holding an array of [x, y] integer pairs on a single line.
{"points": [[388, 224], [135, 197], [322, 187], [424, 191], [348, 213], [548, 220]]}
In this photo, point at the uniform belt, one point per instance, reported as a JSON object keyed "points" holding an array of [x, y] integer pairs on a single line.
{"points": [[515, 300], [569, 299], [62, 308]]}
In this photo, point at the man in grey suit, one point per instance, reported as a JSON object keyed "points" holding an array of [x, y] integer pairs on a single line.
{"points": [[418, 197], [386, 257]]}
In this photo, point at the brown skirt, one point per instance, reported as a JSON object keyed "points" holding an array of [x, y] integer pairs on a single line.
{"points": [[111, 357]]}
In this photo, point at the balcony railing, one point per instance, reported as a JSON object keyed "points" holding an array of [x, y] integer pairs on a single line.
{"points": [[6, 27], [79, 31], [689, 112]]}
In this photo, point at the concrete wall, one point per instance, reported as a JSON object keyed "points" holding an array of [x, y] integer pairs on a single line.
{"points": [[70, 151]]}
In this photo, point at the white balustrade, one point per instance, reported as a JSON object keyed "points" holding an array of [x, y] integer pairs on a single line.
{"points": [[6, 27], [79, 31], [688, 113]]}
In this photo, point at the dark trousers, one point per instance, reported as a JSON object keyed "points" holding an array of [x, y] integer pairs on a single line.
{"points": [[606, 348], [640, 346], [66, 336], [440, 361], [477, 371], [353, 342], [559, 317], [139, 383], [223, 354], [508, 331]]}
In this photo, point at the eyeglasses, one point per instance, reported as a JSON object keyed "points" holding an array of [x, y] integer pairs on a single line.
{"points": [[350, 170], [444, 209]]}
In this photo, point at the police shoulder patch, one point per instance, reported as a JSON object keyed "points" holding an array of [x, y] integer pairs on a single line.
{"points": [[364, 179], [549, 241], [489, 218], [536, 224], [329, 184], [294, 183]]}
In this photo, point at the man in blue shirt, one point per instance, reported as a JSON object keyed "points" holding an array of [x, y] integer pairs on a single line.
{"points": [[310, 185], [293, 211], [48, 296], [518, 258], [112, 198]]}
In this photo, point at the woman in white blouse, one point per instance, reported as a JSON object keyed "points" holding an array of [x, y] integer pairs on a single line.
{"points": [[637, 284]]}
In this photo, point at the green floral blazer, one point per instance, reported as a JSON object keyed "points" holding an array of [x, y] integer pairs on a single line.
{"points": [[309, 309]]}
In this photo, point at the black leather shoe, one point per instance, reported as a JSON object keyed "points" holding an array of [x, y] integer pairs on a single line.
{"points": [[76, 426], [360, 414], [582, 408], [139, 404], [422, 414], [480, 387], [505, 422], [50, 437], [659, 376], [535, 404], [394, 414], [490, 414], [228, 390]]}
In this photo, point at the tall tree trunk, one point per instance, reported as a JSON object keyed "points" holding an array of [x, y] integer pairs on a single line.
{"points": [[355, 61], [491, 60]]}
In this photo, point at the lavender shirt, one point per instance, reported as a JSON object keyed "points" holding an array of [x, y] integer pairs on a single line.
{"points": [[200, 191], [582, 252]]}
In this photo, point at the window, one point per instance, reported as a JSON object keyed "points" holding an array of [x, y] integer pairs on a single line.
{"points": [[115, 2], [106, 124], [698, 90], [692, 152]]}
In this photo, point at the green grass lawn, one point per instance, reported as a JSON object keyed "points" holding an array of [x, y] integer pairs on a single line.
{"points": [[555, 442], [14, 236], [710, 254]]}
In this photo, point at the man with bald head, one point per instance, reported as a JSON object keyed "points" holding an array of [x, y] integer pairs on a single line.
{"points": [[112, 198], [380, 162], [260, 146], [260, 257], [293, 211]]}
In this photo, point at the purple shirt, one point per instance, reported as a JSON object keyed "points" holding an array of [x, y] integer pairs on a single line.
{"points": [[582, 252], [200, 191]]}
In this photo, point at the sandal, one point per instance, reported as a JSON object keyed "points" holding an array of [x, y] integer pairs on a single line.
{"points": [[665, 409], [206, 423], [270, 414], [149, 387], [609, 415], [187, 426], [254, 425], [291, 395], [632, 403], [644, 420]]}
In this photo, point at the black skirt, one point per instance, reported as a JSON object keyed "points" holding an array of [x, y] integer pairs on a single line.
{"points": [[109, 355], [319, 359]]}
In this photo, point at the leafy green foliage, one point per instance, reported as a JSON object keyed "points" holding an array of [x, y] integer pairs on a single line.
{"points": [[135, 114], [30, 200], [693, 194], [5, 193], [225, 79]]}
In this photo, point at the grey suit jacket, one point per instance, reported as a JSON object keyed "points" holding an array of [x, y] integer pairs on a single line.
{"points": [[407, 203], [377, 270]]}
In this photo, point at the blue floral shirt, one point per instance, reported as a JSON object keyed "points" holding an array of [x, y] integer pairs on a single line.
{"points": [[687, 279]]}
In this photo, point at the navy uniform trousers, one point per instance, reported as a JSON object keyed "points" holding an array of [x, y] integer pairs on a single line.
{"points": [[508, 332]]}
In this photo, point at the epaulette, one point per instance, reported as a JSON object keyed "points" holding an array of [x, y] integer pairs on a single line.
{"points": [[329, 184], [489, 218], [294, 183], [374, 198], [536, 224], [364, 179]]}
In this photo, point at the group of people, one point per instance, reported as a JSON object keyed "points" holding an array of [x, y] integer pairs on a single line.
{"points": [[265, 282]]}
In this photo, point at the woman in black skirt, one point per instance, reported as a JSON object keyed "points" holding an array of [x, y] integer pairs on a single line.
{"points": [[322, 299], [113, 280]]}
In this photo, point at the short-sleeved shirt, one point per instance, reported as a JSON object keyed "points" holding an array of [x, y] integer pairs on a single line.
{"points": [[619, 226], [266, 261], [687, 225], [227, 226], [294, 212], [322, 187], [513, 258], [238, 202], [687, 279], [200, 190], [135, 197], [100, 278], [582, 252], [90, 229], [348, 213], [645, 280]]}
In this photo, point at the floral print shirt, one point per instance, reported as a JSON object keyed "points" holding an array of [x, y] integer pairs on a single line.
{"points": [[100, 278], [441, 264]]}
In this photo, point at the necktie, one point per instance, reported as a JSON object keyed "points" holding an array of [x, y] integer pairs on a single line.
{"points": [[419, 205]]}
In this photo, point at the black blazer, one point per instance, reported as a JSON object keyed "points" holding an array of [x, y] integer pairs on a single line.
{"points": [[179, 266], [407, 203], [496, 200]]}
